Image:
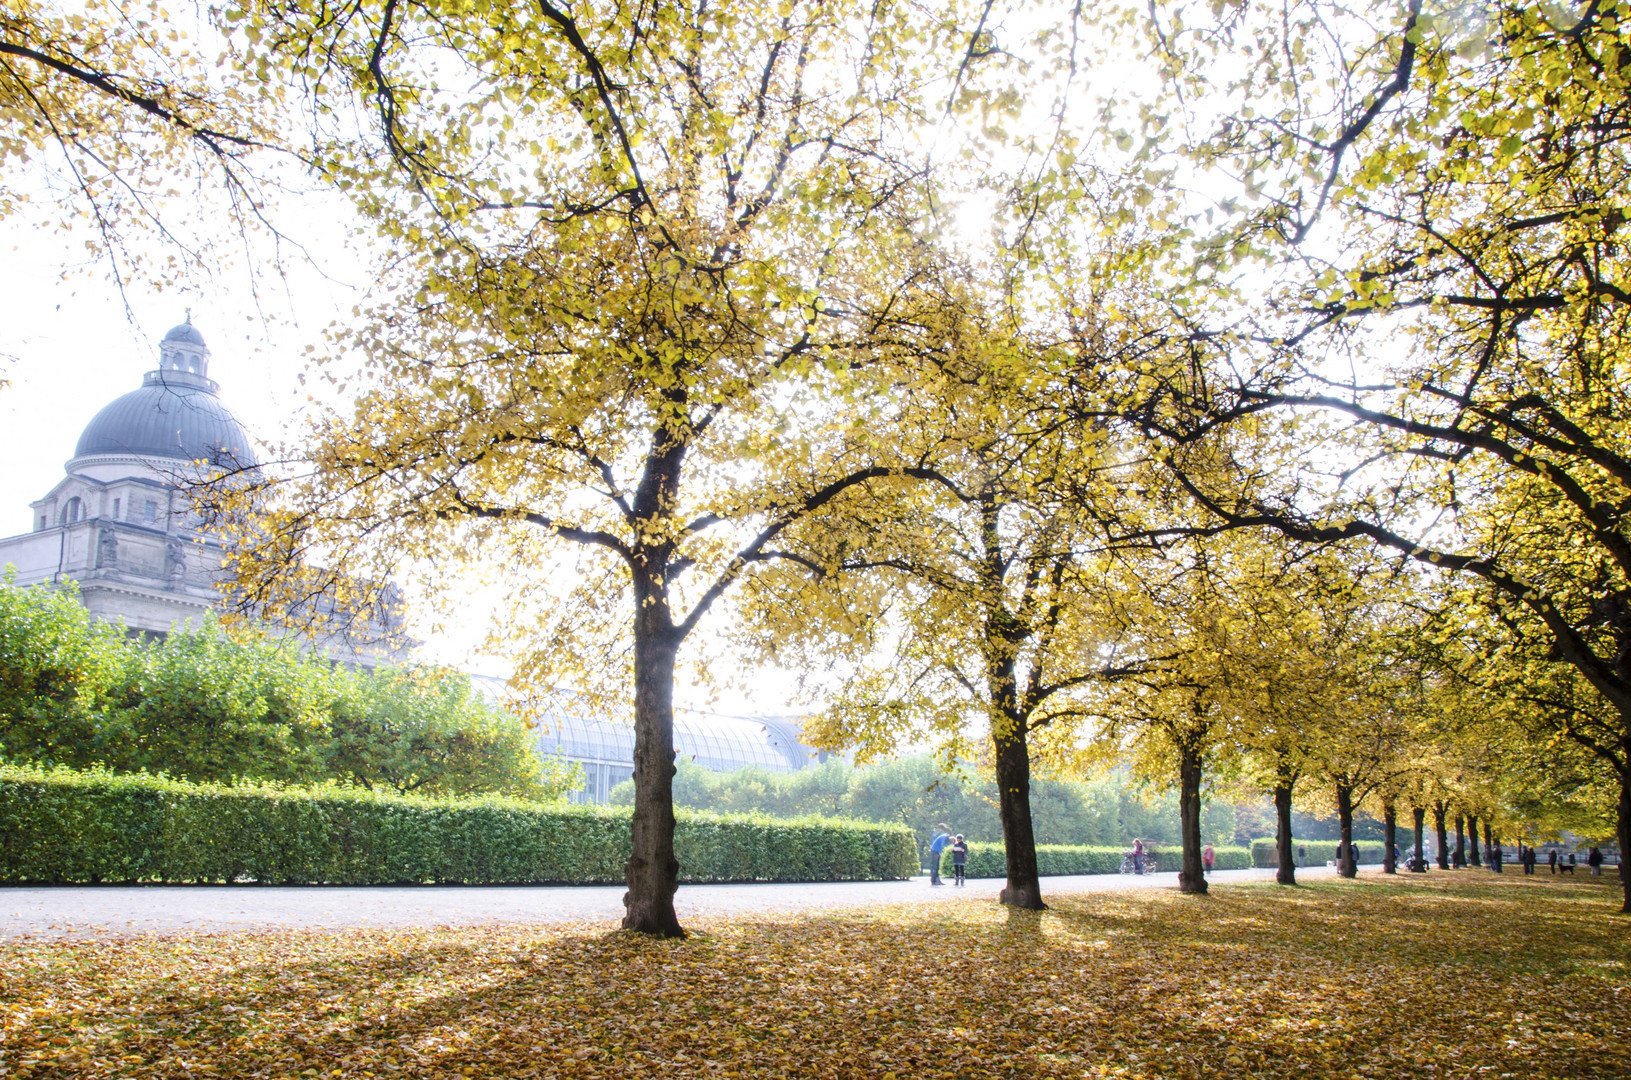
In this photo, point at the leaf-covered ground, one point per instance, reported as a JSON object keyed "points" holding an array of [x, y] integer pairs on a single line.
{"points": [[1457, 975]]}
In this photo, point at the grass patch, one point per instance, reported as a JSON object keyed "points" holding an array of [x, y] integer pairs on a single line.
{"points": [[1458, 975]]}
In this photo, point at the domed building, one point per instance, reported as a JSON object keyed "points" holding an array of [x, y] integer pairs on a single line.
{"points": [[117, 523]]}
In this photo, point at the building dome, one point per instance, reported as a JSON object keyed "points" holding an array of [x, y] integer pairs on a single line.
{"points": [[186, 332], [176, 413]]}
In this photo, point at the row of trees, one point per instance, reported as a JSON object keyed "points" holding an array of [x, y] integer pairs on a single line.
{"points": [[1264, 414], [917, 791], [203, 705]]}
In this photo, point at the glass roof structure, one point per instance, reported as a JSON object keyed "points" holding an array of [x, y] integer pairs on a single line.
{"points": [[717, 742], [720, 743]]}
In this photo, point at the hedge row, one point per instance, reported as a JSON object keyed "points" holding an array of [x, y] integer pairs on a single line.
{"points": [[1054, 860], [1315, 852], [61, 826]]}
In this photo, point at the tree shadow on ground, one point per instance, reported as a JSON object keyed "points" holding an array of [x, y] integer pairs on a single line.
{"points": [[1273, 982]]}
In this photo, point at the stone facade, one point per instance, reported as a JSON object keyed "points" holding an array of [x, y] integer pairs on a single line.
{"points": [[118, 523]]}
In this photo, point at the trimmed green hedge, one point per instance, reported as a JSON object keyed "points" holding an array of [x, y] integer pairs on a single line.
{"points": [[61, 826], [1057, 860], [1315, 852]]}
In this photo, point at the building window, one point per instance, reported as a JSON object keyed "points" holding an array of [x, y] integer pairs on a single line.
{"points": [[42, 521], [150, 512], [115, 509], [71, 512]]}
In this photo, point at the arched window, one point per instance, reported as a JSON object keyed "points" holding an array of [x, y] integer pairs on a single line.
{"points": [[71, 512]]}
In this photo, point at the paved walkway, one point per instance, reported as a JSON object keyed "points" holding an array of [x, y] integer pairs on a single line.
{"points": [[98, 911]]}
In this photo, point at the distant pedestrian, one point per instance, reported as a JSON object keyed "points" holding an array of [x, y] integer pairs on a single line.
{"points": [[1138, 856], [959, 858], [1495, 857], [1208, 857], [1302, 854], [1528, 860], [1594, 859], [1551, 860], [1571, 866], [942, 837]]}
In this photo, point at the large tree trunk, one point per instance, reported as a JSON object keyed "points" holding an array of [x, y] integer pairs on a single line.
{"points": [[1192, 874], [1285, 856], [1439, 810], [1390, 837], [1472, 830], [652, 874], [1347, 865], [1460, 840], [1024, 887], [1008, 735], [1489, 847], [1419, 813], [1623, 835]]}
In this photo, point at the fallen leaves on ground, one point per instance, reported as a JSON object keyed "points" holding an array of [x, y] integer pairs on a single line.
{"points": [[1456, 976]]}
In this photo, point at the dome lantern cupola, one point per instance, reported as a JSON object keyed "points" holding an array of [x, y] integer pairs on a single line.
{"points": [[183, 349]]}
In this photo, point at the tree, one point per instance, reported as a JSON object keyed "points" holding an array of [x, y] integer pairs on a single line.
{"points": [[972, 603], [1456, 186], [647, 279], [59, 670], [427, 730], [1178, 709], [107, 110], [1303, 624]]}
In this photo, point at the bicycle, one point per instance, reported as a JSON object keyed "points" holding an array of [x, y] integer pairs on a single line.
{"points": [[1127, 866]]}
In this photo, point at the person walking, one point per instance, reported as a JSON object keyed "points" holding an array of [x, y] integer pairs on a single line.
{"points": [[942, 837], [1208, 857], [959, 858], [1495, 857], [1594, 859], [1138, 856], [1551, 861], [1302, 854]]}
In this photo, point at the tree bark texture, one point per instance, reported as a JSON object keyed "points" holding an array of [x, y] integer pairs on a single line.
{"points": [[652, 874], [1390, 837], [1024, 887], [1472, 830], [1489, 845], [1192, 874], [1420, 815], [1439, 810], [1623, 835], [1009, 735], [1460, 840], [1347, 865], [1285, 856]]}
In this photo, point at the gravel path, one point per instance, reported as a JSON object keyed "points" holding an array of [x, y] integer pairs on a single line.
{"points": [[112, 911]]}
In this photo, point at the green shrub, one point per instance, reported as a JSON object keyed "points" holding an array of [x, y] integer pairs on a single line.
{"points": [[62, 826], [1315, 852], [216, 707], [1057, 860]]}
